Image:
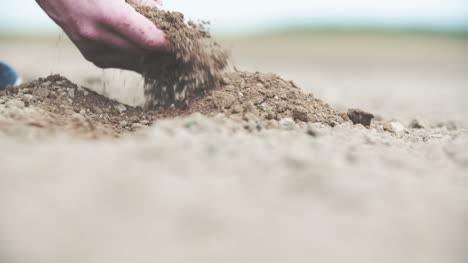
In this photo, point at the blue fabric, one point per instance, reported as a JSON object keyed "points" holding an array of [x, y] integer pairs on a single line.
{"points": [[8, 76]]}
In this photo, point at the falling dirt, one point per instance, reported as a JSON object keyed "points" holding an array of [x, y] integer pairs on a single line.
{"points": [[194, 61]]}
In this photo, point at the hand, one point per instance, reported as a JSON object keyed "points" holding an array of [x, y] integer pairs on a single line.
{"points": [[109, 33]]}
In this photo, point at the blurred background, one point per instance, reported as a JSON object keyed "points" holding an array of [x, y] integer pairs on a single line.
{"points": [[399, 59]]}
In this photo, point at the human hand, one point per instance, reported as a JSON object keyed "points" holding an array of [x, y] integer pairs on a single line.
{"points": [[109, 33]]}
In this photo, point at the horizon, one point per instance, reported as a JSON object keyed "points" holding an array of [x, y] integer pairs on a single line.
{"points": [[429, 15]]}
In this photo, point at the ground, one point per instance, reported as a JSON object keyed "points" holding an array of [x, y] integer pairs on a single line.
{"points": [[205, 189]]}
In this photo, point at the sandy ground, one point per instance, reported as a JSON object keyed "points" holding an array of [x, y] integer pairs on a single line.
{"points": [[205, 190]]}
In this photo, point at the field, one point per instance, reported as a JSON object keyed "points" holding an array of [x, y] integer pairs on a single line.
{"points": [[209, 189]]}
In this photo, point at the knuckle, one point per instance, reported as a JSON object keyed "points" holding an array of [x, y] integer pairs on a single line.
{"points": [[87, 32]]}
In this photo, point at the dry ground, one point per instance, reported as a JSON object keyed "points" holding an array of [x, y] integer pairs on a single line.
{"points": [[205, 190]]}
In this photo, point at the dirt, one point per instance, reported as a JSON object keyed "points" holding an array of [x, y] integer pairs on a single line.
{"points": [[257, 100], [194, 61]]}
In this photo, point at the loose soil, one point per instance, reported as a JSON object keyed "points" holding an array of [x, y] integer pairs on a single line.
{"points": [[256, 99], [193, 62]]}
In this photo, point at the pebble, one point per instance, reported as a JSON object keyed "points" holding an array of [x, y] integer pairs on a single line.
{"points": [[287, 123], [136, 125], [120, 108], [312, 131], [416, 124], [28, 97], [123, 124], [397, 127]]}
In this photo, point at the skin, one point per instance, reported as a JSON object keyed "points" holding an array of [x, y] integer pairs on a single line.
{"points": [[108, 33]]}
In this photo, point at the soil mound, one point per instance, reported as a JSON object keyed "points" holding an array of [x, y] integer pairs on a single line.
{"points": [[263, 97], [266, 100], [194, 61]]}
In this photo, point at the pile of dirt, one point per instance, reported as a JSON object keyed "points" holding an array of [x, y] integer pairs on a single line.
{"points": [[264, 100], [54, 103], [194, 61], [263, 97]]}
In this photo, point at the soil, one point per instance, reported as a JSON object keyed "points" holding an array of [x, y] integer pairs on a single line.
{"points": [[194, 61], [257, 100]]}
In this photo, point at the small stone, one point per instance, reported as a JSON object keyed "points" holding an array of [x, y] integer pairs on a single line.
{"points": [[83, 112], [28, 97], [250, 107], [241, 94], [287, 123], [300, 114], [41, 93], [123, 124], [358, 116], [136, 125], [144, 122], [236, 109], [120, 108], [397, 127], [394, 126], [312, 131], [271, 115], [415, 124]]}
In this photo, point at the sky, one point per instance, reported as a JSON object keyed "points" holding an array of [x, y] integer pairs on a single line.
{"points": [[255, 15]]}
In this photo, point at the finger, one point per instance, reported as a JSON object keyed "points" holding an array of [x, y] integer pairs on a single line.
{"points": [[136, 28], [101, 55], [150, 3], [118, 60], [105, 36]]}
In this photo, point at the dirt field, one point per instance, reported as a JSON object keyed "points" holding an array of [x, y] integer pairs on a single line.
{"points": [[209, 189]]}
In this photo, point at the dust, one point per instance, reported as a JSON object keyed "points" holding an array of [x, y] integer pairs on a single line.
{"points": [[194, 61]]}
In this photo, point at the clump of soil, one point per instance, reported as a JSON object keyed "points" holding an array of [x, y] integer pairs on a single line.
{"points": [[358, 116], [266, 100], [194, 61]]}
